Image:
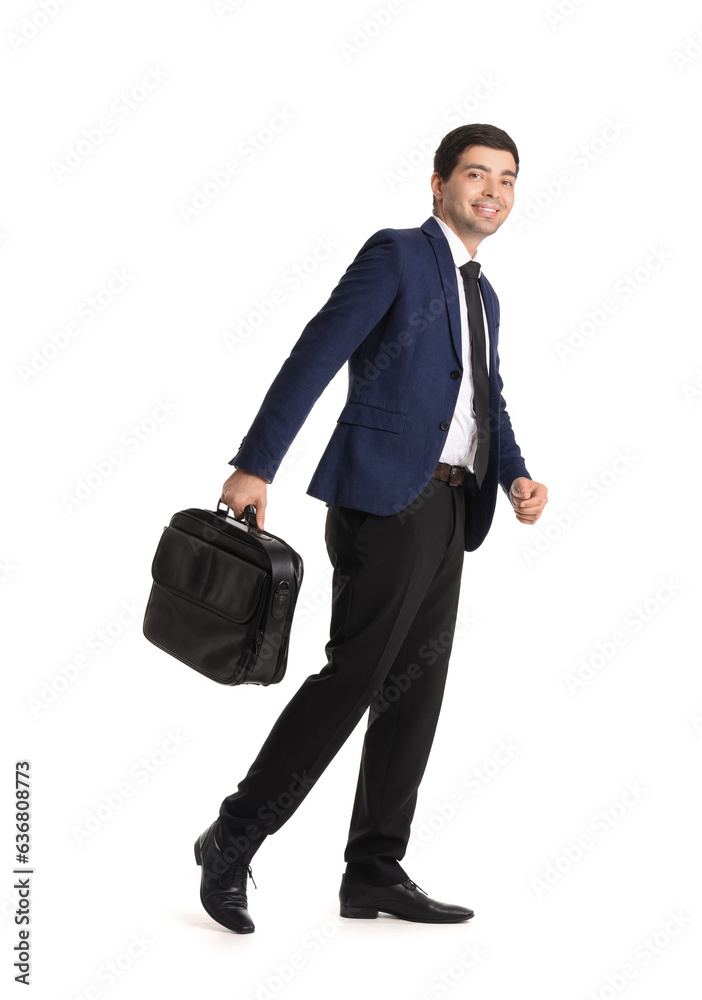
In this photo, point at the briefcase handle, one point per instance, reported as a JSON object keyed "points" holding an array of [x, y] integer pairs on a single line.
{"points": [[248, 514]]}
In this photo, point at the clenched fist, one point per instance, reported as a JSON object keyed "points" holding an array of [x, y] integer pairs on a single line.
{"points": [[243, 488], [528, 499]]}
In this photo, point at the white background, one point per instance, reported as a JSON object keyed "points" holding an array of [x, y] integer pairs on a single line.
{"points": [[361, 99]]}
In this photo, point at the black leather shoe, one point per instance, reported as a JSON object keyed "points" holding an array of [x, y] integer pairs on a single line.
{"points": [[401, 900], [223, 884]]}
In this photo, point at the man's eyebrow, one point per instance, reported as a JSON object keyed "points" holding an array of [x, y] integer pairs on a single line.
{"points": [[488, 170]]}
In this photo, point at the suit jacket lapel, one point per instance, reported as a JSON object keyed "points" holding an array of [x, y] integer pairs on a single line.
{"points": [[447, 271]]}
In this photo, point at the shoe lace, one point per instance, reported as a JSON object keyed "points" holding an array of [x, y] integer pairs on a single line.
{"points": [[236, 875], [413, 885]]}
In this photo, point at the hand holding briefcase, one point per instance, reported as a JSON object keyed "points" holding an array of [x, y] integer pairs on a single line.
{"points": [[223, 596]]}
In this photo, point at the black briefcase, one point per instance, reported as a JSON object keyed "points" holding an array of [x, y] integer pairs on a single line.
{"points": [[223, 596]]}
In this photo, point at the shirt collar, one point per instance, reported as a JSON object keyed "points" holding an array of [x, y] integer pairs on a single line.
{"points": [[458, 247]]}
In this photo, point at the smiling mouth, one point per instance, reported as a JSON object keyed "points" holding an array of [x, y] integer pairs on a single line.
{"points": [[486, 210]]}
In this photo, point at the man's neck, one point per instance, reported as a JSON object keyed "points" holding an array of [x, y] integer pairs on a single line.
{"points": [[469, 242]]}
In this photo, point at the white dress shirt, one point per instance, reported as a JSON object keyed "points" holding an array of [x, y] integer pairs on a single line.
{"points": [[462, 439]]}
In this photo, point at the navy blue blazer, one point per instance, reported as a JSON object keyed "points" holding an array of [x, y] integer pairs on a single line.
{"points": [[394, 317]]}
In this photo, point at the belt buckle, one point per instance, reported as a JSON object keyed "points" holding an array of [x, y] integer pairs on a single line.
{"points": [[451, 475]]}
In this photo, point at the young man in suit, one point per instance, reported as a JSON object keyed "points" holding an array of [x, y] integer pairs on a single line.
{"points": [[410, 479]]}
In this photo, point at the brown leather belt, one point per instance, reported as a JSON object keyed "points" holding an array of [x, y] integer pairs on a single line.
{"points": [[454, 475]]}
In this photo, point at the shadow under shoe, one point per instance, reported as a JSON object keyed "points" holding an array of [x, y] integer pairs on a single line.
{"points": [[223, 884], [401, 900]]}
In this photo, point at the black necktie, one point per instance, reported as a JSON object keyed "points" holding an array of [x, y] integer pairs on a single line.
{"points": [[470, 271]]}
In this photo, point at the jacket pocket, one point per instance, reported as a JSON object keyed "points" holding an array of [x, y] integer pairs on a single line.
{"points": [[372, 416]]}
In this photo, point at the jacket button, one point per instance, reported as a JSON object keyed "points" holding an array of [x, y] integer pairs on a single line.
{"points": [[444, 425], [455, 373]]}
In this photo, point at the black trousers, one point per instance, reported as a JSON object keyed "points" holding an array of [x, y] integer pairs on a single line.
{"points": [[396, 583]]}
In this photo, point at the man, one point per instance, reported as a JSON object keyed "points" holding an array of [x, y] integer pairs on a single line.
{"points": [[410, 479]]}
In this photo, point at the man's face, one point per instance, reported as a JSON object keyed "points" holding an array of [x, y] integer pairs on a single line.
{"points": [[478, 196]]}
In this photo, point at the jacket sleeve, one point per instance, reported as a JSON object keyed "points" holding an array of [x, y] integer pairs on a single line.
{"points": [[362, 297]]}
